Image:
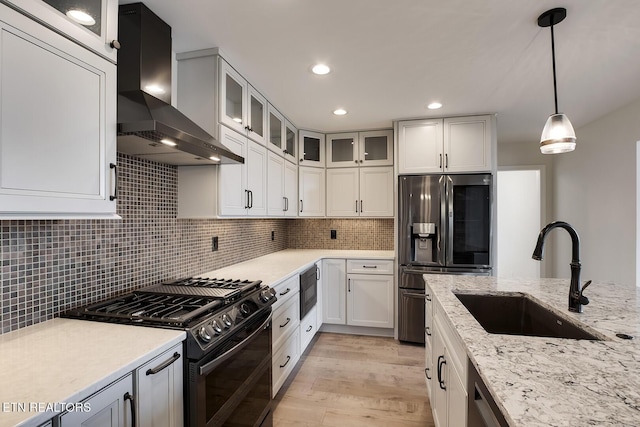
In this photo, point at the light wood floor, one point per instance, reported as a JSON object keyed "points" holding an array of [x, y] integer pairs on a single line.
{"points": [[352, 381]]}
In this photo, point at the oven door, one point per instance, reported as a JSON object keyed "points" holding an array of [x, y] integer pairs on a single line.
{"points": [[232, 385]]}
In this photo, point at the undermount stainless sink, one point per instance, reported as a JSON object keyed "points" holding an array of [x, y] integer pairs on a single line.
{"points": [[517, 314]]}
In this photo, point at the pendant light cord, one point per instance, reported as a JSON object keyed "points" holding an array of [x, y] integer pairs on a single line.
{"points": [[553, 57]]}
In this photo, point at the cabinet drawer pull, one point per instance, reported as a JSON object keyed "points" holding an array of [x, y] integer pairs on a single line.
{"points": [[426, 373], [427, 297], [286, 323], [132, 402], [427, 330], [285, 292], [369, 266], [309, 328], [285, 363], [115, 187], [441, 362], [301, 205], [166, 363]]}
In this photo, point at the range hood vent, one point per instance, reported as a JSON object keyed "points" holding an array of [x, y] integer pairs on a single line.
{"points": [[148, 126]]}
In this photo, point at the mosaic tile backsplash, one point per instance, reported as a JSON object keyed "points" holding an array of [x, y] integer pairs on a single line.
{"points": [[51, 266]]}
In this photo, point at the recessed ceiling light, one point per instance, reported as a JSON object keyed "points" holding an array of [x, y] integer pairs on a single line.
{"points": [[214, 158], [320, 69], [340, 112], [168, 142], [434, 106], [81, 17]]}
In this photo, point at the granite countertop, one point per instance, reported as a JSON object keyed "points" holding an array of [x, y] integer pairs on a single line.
{"points": [[539, 381], [277, 266], [66, 360]]}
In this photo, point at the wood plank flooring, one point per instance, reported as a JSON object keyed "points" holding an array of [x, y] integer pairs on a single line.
{"points": [[355, 381]]}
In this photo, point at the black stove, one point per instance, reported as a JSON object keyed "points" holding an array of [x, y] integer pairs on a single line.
{"points": [[208, 309]]}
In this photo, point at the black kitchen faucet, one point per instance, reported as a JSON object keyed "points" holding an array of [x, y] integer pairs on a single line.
{"points": [[576, 299]]}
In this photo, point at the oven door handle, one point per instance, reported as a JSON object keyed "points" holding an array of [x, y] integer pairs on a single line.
{"points": [[206, 369]]}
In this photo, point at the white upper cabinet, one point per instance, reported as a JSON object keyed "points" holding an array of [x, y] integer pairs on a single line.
{"points": [[257, 116], [372, 148], [291, 189], [290, 141], [366, 192], [57, 125], [451, 145], [276, 131], [99, 32], [312, 191], [311, 150], [233, 91]]}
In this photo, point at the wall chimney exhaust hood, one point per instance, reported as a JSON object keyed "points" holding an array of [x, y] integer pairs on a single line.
{"points": [[148, 126]]}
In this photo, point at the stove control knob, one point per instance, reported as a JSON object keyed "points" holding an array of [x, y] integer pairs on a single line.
{"points": [[267, 294], [245, 309], [204, 334], [217, 329], [226, 321]]}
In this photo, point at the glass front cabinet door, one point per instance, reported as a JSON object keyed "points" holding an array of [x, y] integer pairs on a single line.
{"points": [[276, 130], [92, 23], [376, 148], [311, 151], [291, 141], [342, 150]]}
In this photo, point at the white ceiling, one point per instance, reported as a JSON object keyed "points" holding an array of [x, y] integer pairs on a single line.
{"points": [[390, 58]]}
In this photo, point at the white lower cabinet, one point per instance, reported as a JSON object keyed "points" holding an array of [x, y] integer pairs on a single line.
{"points": [[285, 320], [110, 407], [159, 390], [449, 394], [428, 341], [355, 299], [284, 360], [308, 329], [285, 338]]}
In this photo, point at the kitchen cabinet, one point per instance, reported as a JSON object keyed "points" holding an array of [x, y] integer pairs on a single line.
{"points": [[285, 345], [57, 124], [366, 192], [242, 108], [428, 346], [319, 293], [308, 329], [450, 145], [99, 33], [243, 187], [282, 186], [334, 291], [110, 407], [449, 394], [370, 296], [311, 148], [276, 130], [159, 390], [291, 141], [373, 148], [311, 191], [356, 299]]}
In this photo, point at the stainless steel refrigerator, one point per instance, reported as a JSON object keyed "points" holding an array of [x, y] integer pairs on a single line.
{"points": [[445, 226]]}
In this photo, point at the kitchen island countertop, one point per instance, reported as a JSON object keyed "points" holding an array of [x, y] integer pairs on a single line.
{"points": [[539, 381]]}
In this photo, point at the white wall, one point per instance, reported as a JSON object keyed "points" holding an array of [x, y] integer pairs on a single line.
{"points": [[595, 191]]}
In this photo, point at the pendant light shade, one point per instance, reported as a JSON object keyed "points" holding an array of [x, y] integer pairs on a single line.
{"points": [[558, 135]]}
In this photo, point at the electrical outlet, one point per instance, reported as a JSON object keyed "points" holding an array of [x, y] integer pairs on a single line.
{"points": [[334, 234], [273, 235], [214, 243]]}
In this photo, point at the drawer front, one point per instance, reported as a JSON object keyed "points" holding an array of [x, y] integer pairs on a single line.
{"points": [[285, 290], [308, 329], [370, 266], [284, 360], [451, 341], [285, 319]]}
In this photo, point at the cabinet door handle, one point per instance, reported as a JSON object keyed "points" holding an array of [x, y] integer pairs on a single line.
{"points": [[286, 323], [441, 362], [426, 373], [360, 206], [349, 285], [284, 204], [427, 297], [309, 328], [285, 292], [165, 364], [115, 187], [285, 363], [317, 273], [356, 206], [251, 199], [427, 330], [246, 204], [446, 161], [440, 161], [301, 205], [115, 44], [132, 403]]}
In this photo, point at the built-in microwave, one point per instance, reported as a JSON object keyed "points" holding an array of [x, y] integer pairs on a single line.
{"points": [[308, 290]]}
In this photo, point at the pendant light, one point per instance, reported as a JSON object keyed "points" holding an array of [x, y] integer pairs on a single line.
{"points": [[558, 135]]}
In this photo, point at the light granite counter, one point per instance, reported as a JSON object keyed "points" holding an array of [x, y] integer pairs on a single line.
{"points": [[540, 381], [66, 360], [278, 266]]}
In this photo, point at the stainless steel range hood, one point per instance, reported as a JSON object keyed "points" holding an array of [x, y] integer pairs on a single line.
{"points": [[148, 126]]}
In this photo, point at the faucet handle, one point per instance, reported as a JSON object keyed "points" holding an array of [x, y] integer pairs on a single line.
{"points": [[584, 300]]}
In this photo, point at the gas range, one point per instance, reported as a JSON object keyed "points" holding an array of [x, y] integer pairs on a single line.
{"points": [[208, 309]]}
